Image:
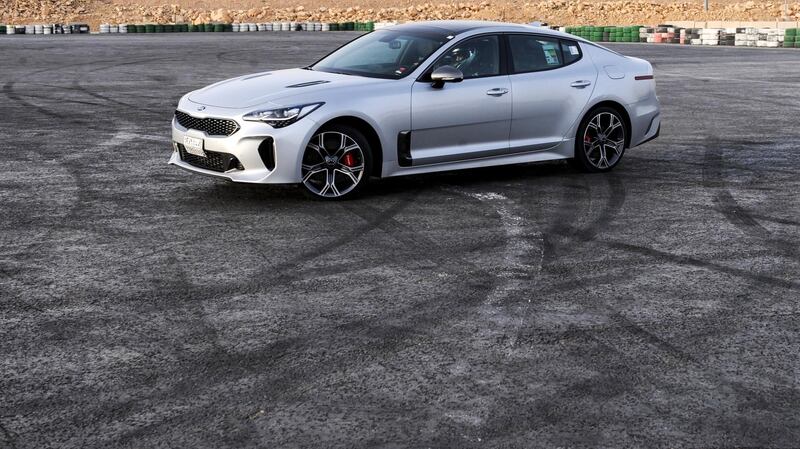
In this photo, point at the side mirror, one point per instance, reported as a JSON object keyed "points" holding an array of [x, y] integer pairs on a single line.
{"points": [[446, 74]]}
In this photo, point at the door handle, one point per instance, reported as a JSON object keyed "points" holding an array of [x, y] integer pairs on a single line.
{"points": [[580, 84], [496, 92]]}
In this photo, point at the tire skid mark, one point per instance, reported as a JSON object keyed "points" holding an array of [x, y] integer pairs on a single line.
{"points": [[665, 345], [420, 319], [8, 90], [563, 227], [206, 330], [42, 239], [690, 261], [83, 187], [769, 400], [589, 233], [269, 277], [288, 386], [235, 360], [77, 86], [699, 263], [566, 215], [565, 212], [713, 180], [228, 56], [423, 314], [406, 235], [608, 212], [285, 271], [517, 276], [752, 169], [782, 221], [550, 409], [108, 101], [53, 99], [515, 271], [620, 322]]}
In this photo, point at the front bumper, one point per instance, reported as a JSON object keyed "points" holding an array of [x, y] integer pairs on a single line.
{"points": [[288, 146]]}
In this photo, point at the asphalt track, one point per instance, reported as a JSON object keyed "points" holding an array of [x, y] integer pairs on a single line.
{"points": [[526, 306]]}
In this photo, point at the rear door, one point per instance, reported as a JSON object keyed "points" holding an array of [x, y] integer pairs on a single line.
{"points": [[465, 120], [552, 82]]}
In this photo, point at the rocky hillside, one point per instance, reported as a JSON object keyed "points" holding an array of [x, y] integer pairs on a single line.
{"points": [[617, 12]]}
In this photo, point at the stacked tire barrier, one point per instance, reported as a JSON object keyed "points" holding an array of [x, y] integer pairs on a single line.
{"points": [[790, 39], [689, 36], [662, 34], [242, 27], [47, 28], [710, 36], [668, 34], [606, 33], [123, 28], [770, 38], [746, 37]]}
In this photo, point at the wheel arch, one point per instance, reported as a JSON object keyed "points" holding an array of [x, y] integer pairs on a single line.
{"points": [[620, 109], [369, 132]]}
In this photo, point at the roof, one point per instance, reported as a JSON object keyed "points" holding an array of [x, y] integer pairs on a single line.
{"points": [[462, 26]]}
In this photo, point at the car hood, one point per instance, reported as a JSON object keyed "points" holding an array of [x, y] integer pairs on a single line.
{"points": [[269, 87]]}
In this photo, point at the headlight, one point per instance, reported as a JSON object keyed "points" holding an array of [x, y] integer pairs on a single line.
{"points": [[280, 117]]}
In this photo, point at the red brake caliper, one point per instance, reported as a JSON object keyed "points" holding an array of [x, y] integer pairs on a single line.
{"points": [[349, 160]]}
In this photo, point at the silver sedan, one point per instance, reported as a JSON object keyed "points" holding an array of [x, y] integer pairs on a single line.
{"points": [[417, 98]]}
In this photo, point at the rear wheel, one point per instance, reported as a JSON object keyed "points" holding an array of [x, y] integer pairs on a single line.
{"points": [[336, 163], [600, 142]]}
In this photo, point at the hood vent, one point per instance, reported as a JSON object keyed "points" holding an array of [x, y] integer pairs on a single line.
{"points": [[310, 83]]}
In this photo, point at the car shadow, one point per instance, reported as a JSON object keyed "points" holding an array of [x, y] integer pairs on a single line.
{"points": [[379, 188]]}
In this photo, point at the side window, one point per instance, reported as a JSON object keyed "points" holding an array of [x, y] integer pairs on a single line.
{"points": [[474, 57], [571, 51], [534, 53]]}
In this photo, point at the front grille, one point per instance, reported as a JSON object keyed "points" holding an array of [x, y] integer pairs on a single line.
{"points": [[214, 161], [211, 126]]}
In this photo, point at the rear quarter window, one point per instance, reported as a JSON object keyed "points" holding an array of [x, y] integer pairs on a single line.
{"points": [[571, 51]]}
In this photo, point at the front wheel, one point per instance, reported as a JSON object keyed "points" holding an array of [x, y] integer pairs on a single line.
{"points": [[600, 142], [336, 163]]}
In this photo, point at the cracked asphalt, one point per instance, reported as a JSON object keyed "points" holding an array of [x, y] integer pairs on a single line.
{"points": [[523, 306]]}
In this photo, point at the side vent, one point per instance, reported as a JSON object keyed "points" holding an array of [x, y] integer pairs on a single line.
{"points": [[267, 152], [404, 149]]}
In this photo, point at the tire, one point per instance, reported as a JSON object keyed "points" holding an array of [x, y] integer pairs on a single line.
{"points": [[600, 148], [336, 163]]}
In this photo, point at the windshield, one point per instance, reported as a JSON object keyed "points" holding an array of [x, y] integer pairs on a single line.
{"points": [[383, 54]]}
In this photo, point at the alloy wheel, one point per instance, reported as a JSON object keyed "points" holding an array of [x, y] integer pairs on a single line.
{"points": [[333, 164], [604, 140]]}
